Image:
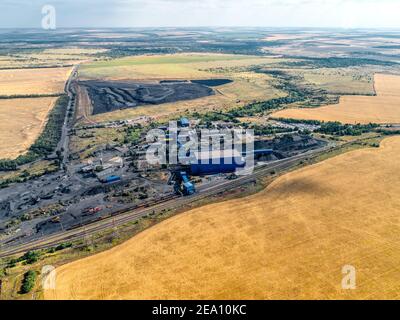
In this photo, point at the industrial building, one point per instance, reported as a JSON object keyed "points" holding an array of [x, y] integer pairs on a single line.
{"points": [[215, 162]]}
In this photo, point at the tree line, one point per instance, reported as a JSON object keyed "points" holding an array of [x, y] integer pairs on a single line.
{"points": [[47, 142]]}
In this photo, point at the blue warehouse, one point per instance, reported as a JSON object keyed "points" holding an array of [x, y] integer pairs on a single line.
{"points": [[215, 162]]}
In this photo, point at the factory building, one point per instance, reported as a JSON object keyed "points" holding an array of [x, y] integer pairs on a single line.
{"points": [[215, 162]]}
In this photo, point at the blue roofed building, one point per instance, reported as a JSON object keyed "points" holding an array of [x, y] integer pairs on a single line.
{"points": [[184, 122], [216, 162]]}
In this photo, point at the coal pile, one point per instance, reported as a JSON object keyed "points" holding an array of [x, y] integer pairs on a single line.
{"points": [[290, 145], [107, 96]]}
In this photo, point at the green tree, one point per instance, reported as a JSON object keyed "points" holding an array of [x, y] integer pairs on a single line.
{"points": [[29, 282], [31, 257]]}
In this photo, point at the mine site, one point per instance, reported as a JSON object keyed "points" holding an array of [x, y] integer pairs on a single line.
{"points": [[110, 96], [309, 186]]}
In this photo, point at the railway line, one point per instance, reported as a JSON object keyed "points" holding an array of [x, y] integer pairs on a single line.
{"points": [[120, 218], [133, 213]]}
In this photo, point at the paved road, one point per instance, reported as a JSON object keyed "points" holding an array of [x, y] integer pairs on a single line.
{"points": [[175, 203], [64, 141]]}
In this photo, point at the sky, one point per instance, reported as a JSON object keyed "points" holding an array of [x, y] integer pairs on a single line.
{"points": [[187, 13]]}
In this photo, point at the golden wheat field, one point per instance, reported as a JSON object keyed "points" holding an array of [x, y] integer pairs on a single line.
{"points": [[21, 122], [383, 108], [289, 241], [37, 81]]}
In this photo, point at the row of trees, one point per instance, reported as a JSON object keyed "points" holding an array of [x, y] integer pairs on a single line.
{"points": [[23, 96], [287, 83], [260, 107], [337, 62], [338, 129], [298, 121]]}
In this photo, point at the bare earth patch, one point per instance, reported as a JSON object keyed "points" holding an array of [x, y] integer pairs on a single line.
{"points": [[21, 122], [289, 241], [384, 108]]}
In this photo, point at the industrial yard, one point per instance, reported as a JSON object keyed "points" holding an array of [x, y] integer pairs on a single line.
{"points": [[273, 253], [77, 181], [112, 177]]}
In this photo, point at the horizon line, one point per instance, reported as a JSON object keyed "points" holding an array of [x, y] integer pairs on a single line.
{"points": [[205, 27]]}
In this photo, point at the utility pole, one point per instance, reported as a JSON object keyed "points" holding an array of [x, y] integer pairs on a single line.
{"points": [[115, 232]]}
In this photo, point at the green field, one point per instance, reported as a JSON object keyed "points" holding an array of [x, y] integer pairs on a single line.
{"points": [[178, 66], [247, 86], [166, 59]]}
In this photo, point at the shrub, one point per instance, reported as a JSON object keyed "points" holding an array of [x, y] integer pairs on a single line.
{"points": [[31, 257], [63, 246], [29, 282]]}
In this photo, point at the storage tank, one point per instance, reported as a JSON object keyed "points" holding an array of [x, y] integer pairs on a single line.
{"points": [[184, 122], [111, 179]]}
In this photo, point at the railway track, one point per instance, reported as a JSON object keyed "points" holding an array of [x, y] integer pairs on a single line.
{"points": [[129, 215]]}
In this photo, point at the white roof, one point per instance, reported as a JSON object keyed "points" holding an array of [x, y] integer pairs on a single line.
{"points": [[217, 154], [116, 160]]}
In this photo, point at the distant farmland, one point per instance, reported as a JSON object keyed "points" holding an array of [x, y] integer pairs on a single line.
{"points": [[384, 108], [175, 66], [22, 120], [239, 88], [27, 96], [289, 241], [39, 81]]}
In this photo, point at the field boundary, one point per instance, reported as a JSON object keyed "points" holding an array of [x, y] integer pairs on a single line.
{"points": [[31, 96]]}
